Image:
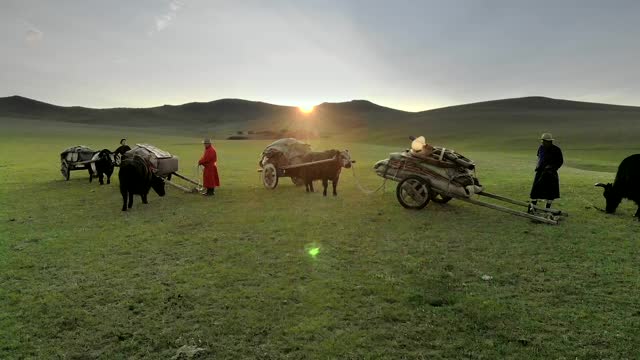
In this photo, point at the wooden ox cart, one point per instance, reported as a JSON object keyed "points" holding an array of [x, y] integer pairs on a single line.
{"points": [[164, 165], [282, 156], [279, 156], [447, 175], [78, 158]]}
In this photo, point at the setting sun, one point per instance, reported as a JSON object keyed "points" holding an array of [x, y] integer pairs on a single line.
{"points": [[306, 109]]}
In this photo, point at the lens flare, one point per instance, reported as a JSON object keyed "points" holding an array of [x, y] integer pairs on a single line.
{"points": [[314, 252]]}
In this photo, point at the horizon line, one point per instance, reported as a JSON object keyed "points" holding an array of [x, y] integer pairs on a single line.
{"points": [[322, 103]]}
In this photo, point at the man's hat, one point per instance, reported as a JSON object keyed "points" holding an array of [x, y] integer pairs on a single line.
{"points": [[547, 137], [206, 141]]}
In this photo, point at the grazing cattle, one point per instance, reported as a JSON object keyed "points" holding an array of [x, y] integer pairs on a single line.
{"points": [[625, 186], [136, 178], [323, 171], [102, 165]]}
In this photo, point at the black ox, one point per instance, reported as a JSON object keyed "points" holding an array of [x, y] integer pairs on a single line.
{"points": [[136, 178], [325, 171], [102, 164], [626, 185]]}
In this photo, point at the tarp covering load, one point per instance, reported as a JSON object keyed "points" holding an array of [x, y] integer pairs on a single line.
{"points": [[284, 152], [162, 162], [77, 154]]}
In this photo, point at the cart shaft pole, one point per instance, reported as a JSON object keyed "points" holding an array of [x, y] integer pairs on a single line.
{"points": [[185, 178], [307, 164], [183, 188], [509, 211], [521, 203]]}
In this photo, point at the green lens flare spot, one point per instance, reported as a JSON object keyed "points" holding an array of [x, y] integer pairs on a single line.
{"points": [[314, 252]]}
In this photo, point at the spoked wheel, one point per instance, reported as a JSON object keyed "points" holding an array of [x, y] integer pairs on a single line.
{"points": [[269, 176], [413, 193], [441, 199], [64, 170]]}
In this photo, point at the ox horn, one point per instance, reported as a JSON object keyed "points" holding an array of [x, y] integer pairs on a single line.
{"points": [[600, 184]]}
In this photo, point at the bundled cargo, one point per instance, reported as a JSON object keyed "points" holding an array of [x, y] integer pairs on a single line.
{"points": [[284, 152], [161, 162], [77, 154], [443, 173]]}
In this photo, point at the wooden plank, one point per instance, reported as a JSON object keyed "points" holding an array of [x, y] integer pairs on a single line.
{"points": [[509, 211], [183, 188], [307, 164], [521, 203], [186, 179]]}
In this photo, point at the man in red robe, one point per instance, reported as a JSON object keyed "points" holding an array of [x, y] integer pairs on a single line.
{"points": [[210, 162]]}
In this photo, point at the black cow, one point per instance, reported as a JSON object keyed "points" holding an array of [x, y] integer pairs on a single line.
{"points": [[136, 178], [323, 171], [626, 185], [102, 165]]}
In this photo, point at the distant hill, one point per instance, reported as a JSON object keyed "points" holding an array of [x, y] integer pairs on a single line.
{"points": [[228, 116], [533, 103], [507, 120], [219, 111]]}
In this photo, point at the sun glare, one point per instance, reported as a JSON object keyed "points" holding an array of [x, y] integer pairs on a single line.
{"points": [[306, 109]]}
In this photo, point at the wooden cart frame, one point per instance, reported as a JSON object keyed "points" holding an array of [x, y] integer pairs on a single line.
{"points": [[416, 190], [67, 166]]}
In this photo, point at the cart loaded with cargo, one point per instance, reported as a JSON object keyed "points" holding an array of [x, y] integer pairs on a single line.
{"points": [[443, 175]]}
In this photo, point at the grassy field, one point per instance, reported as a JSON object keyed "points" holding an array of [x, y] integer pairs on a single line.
{"points": [[233, 275]]}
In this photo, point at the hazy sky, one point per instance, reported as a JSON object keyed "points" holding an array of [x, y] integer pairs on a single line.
{"points": [[412, 55]]}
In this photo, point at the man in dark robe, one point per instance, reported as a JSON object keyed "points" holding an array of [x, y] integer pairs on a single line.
{"points": [[546, 184]]}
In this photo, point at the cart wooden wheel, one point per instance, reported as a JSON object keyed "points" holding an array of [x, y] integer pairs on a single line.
{"points": [[413, 192], [441, 199], [269, 176], [64, 170]]}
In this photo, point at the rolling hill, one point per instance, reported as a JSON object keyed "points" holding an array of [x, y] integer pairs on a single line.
{"points": [[507, 121]]}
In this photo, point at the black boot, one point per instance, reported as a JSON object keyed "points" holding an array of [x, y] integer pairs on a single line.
{"points": [[211, 191]]}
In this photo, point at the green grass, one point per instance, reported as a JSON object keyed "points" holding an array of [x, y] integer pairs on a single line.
{"points": [[237, 276]]}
